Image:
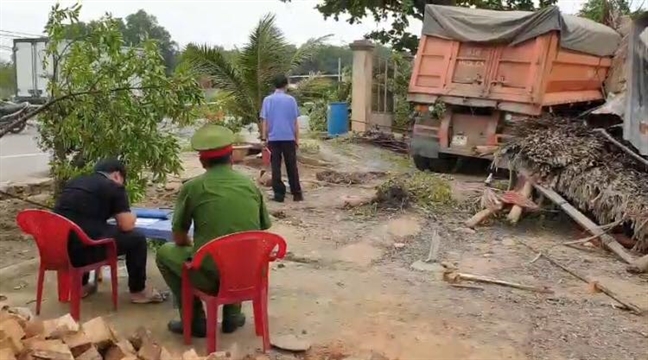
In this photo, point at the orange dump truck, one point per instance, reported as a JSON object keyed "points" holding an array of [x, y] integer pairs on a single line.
{"points": [[491, 68]]}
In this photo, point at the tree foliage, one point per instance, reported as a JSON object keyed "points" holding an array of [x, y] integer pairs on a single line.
{"points": [[400, 12], [111, 100], [7, 79], [606, 12], [135, 29], [246, 75]]}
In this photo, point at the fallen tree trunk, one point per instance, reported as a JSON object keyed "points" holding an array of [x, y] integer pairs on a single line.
{"points": [[608, 241]]}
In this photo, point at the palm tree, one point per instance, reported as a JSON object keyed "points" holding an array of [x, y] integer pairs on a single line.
{"points": [[245, 76]]}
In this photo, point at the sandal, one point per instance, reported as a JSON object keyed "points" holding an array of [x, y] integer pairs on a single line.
{"points": [[152, 296]]}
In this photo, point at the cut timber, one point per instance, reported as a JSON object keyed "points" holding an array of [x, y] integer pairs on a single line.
{"points": [[90, 354], [190, 355], [479, 217], [7, 354], [455, 277], [11, 334], [608, 241], [140, 336], [99, 332], [78, 342], [57, 328], [120, 350], [11, 328], [51, 350], [639, 266], [35, 328], [516, 211], [29, 342], [16, 347], [150, 351]]}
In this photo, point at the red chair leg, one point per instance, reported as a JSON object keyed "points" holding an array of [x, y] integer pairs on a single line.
{"points": [[187, 310], [264, 317], [258, 316], [76, 288], [212, 323], [63, 285], [113, 282], [39, 289]]}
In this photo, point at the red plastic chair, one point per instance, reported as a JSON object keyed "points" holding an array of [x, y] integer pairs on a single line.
{"points": [[242, 260], [51, 231]]}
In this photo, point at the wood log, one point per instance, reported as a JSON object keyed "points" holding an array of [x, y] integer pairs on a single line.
{"points": [[454, 277], [99, 332], [479, 217], [90, 354], [16, 347], [190, 355], [34, 328], [11, 334], [78, 342], [11, 328], [28, 343], [7, 354], [516, 211], [139, 337], [120, 350], [639, 266], [608, 241], [149, 351], [51, 350]]}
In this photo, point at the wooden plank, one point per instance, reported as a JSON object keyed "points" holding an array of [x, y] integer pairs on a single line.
{"points": [[608, 241]]}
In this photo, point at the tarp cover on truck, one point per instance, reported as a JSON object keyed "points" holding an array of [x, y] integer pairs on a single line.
{"points": [[513, 27]]}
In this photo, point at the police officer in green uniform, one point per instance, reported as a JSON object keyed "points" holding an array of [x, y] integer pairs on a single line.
{"points": [[219, 202]]}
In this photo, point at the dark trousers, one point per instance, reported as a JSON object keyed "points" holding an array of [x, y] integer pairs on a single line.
{"points": [[288, 151], [132, 244]]}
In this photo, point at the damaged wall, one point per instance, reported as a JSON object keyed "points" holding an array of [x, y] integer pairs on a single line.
{"points": [[635, 128]]}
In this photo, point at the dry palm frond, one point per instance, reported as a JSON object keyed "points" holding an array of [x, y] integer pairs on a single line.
{"points": [[583, 166]]}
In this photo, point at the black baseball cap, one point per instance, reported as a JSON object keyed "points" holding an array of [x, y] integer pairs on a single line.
{"points": [[111, 165]]}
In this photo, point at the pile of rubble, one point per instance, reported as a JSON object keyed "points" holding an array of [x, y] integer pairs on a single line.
{"points": [[23, 337]]}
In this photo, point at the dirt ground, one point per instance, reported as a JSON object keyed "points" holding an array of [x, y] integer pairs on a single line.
{"points": [[347, 284]]}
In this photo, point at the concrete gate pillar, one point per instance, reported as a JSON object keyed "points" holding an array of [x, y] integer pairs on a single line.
{"points": [[361, 85]]}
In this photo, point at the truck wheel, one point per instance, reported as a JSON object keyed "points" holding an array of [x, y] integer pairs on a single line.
{"points": [[442, 164], [421, 162]]}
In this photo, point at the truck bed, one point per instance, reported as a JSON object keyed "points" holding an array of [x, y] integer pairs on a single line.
{"points": [[523, 78]]}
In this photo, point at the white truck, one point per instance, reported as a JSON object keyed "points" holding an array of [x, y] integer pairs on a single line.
{"points": [[31, 76]]}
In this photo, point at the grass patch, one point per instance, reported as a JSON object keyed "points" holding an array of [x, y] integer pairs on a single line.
{"points": [[424, 190]]}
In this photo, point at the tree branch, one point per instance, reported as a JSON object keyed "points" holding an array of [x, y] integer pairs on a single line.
{"points": [[50, 103]]}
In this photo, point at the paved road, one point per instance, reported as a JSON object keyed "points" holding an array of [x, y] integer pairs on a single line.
{"points": [[20, 157]]}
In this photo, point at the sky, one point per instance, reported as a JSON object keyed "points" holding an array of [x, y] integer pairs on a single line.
{"points": [[216, 22]]}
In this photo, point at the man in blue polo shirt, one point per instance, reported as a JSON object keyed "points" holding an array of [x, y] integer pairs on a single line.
{"points": [[280, 129]]}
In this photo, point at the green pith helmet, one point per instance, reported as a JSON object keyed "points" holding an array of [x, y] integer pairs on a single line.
{"points": [[211, 137]]}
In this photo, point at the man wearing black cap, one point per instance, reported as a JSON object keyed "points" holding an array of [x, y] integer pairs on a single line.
{"points": [[89, 201]]}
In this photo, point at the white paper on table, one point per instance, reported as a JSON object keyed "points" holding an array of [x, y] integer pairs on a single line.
{"points": [[145, 221]]}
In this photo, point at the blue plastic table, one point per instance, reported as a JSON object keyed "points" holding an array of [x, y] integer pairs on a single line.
{"points": [[155, 223]]}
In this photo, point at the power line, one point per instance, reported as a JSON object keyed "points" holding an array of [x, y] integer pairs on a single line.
{"points": [[18, 33]]}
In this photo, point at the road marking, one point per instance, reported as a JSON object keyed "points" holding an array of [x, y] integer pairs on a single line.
{"points": [[22, 155]]}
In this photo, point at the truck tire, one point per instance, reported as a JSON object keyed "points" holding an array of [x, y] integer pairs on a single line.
{"points": [[421, 162], [442, 164]]}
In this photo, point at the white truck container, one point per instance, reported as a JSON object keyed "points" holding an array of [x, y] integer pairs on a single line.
{"points": [[31, 77]]}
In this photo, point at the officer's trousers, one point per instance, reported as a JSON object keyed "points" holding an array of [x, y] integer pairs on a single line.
{"points": [[169, 259]]}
